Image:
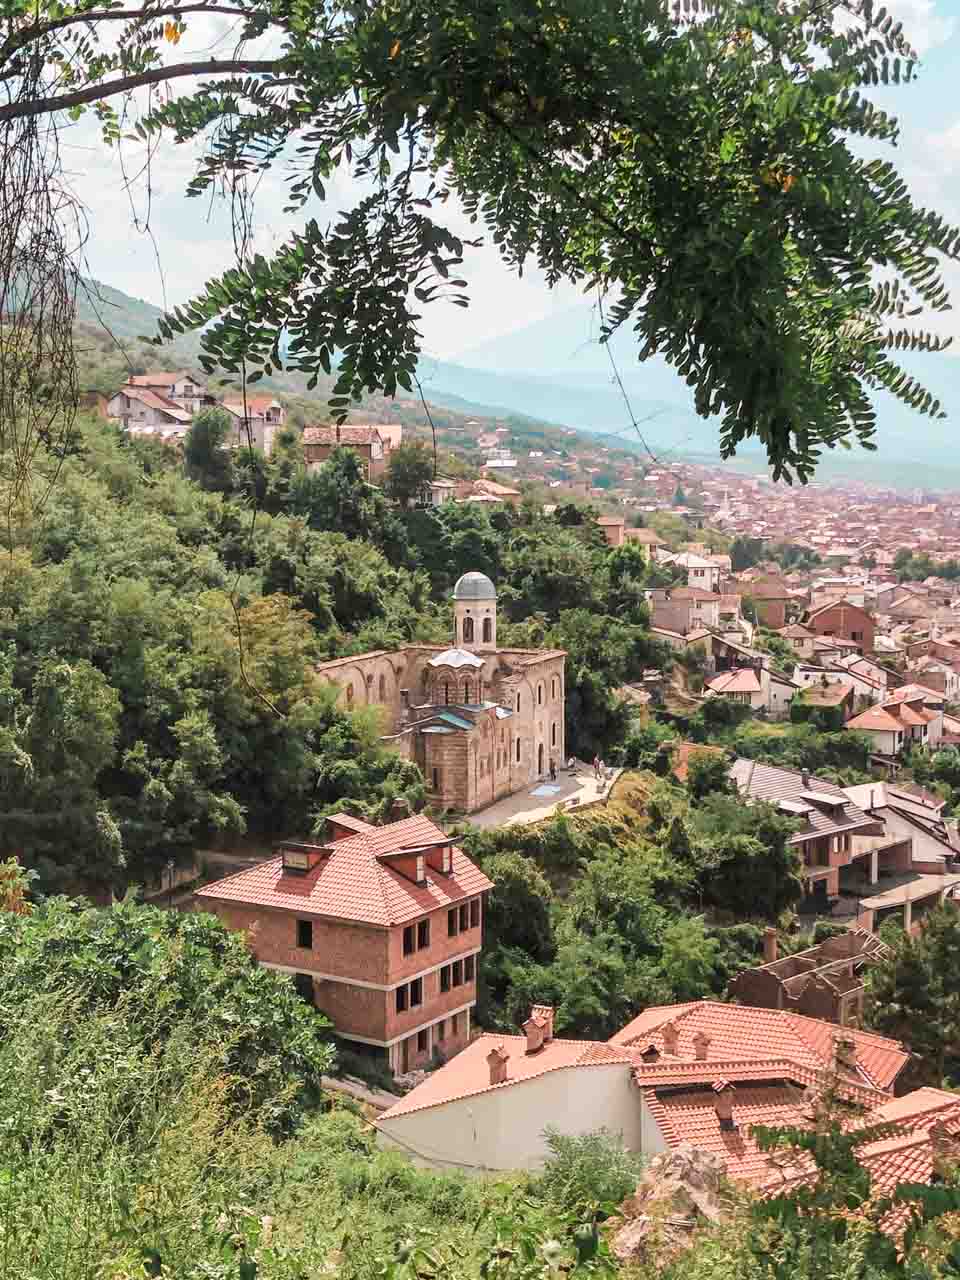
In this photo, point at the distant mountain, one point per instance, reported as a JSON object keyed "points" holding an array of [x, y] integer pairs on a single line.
{"points": [[564, 351]]}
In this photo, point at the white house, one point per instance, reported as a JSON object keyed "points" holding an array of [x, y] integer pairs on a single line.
{"points": [[701, 1073]]}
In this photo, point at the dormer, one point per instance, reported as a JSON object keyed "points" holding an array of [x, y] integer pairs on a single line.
{"points": [[440, 857], [411, 863], [298, 858]]}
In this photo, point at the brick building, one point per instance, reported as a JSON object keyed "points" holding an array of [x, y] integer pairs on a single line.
{"points": [[824, 981], [482, 722], [380, 926], [367, 442], [844, 621], [769, 596]]}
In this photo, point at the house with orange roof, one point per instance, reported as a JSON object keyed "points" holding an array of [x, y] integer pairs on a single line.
{"points": [[256, 420], [910, 717], [381, 928], [702, 1073], [366, 442]]}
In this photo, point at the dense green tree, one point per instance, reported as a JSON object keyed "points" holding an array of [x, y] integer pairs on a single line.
{"points": [[708, 772], [745, 552], [169, 970], [688, 959], [409, 472], [914, 996], [206, 450]]}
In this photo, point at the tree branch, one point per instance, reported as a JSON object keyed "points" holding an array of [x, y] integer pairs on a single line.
{"points": [[97, 92], [20, 39]]}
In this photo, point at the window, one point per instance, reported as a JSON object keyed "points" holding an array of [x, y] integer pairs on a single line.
{"points": [[455, 1024], [436, 779], [383, 689], [401, 999], [423, 934], [468, 630], [446, 694], [442, 1029], [452, 930], [408, 940], [457, 968], [518, 751], [553, 735], [553, 687], [474, 913], [445, 978], [487, 630], [518, 708], [305, 934], [539, 695], [416, 992], [464, 918], [468, 969], [350, 692], [421, 1042]]}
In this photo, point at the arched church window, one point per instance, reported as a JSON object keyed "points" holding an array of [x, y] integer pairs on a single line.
{"points": [[553, 734], [350, 692], [487, 630], [446, 694], [518, 699], [518, 751], [540, 694], [466, 691], [468, 631], [383, 688]]}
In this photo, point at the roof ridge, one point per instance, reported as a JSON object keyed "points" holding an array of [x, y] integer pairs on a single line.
{"points": [[215, 884]]}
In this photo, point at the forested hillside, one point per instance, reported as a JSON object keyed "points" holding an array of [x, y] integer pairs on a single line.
{"points": [[160, 630]]}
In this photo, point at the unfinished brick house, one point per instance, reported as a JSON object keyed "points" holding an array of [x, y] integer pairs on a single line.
{"points": [[825, 981], [380, 926], [368, 443]]}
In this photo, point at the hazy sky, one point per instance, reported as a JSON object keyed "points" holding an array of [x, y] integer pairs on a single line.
{"points": [[192, 238]]}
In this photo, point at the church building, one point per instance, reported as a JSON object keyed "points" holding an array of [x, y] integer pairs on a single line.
{"points": [[481, 721]]}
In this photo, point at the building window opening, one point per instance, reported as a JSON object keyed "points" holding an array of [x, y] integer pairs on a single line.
{"points": [[350, 692], [416, 992], [464, 918], [455, 1024], [474, 913], [468, 969], [436, 779], [305, 934], [539, 695], [442, 1029], [401, 999], [518, 708], [487, 631], [553, 735], [445, 978], [421, 1042], [458, 973], [446, 694], [408, 940], [468, 631], [423, 934], [383, 689], [452, 923]]}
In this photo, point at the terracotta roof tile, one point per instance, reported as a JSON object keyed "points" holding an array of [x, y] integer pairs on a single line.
{"points": [[771, 784], [348, 435], [740, 680], [468, 1073], [741, 1034], [352, 883]]}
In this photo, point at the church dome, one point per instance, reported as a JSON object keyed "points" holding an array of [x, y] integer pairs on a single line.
{"points": [[474, 586]]}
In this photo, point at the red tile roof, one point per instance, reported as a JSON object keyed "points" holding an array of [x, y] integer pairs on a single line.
{"points": [[769, 783], [348, 435], [691, 1116], [741, 680], [353, 882], [740, 1033], [468, 1073]]}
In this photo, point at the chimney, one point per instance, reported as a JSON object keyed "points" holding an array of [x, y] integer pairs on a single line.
{"points": [[943, 1146], [723, 1092], [805, 778], [701, 1046], [769, 945], [545, 1013], [497, 1062], [534, 1029], [844, 1053], [399, 809], [671, 1037]]}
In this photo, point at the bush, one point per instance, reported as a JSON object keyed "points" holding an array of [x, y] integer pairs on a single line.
{"points": [[588, 1169]]}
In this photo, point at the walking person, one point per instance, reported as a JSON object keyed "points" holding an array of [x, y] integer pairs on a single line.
{"points": [[553, 770], [596, 767]]}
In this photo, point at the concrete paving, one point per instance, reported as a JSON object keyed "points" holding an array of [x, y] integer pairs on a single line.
{"points": [[528, 806]]}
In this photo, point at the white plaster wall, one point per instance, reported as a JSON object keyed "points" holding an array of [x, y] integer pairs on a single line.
{"points": [[503, 1129]]}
